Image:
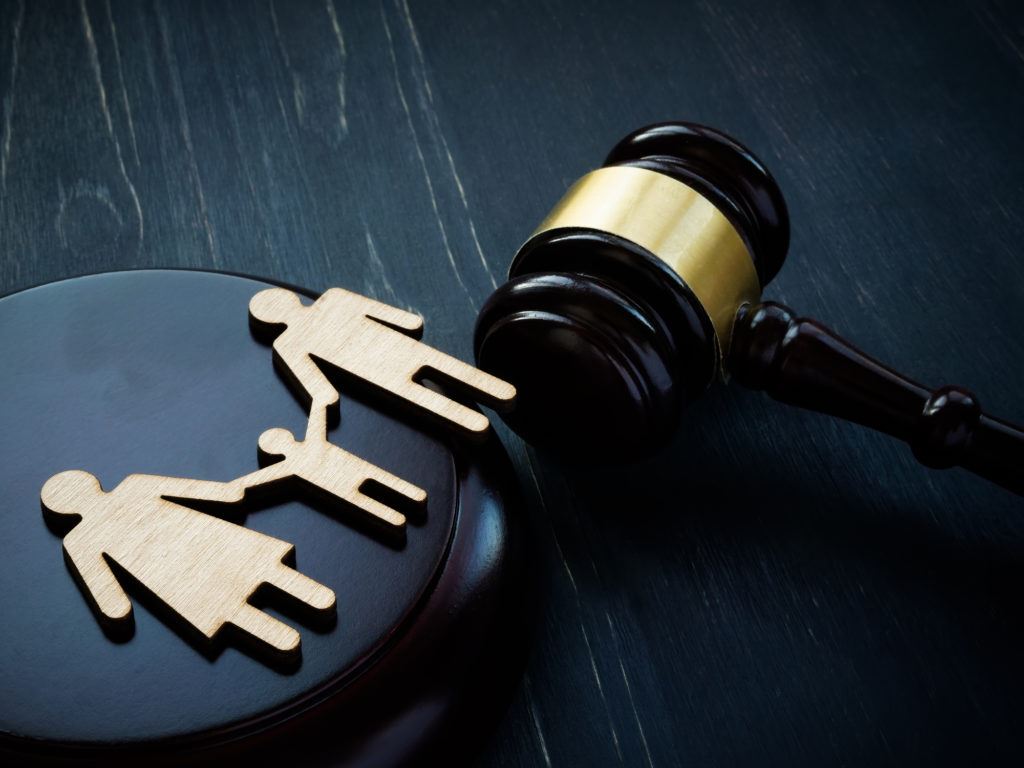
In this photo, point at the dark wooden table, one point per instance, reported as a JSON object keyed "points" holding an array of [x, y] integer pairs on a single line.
{"points": [[775, 588]]}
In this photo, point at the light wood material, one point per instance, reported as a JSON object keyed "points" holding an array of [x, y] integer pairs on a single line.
{"points": [[331, 469], [840, 602], [428, 636], [203, 568], [377, 344], [206, 569]]}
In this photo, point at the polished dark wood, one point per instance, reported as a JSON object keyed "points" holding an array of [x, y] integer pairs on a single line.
{"points": [[156, 371], [602, 366], [813, 597], [724, 171], [585, 332], [801, 362], [604, 342]]}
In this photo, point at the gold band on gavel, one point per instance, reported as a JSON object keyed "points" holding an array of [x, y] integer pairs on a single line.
{"points": [[675, 223]]}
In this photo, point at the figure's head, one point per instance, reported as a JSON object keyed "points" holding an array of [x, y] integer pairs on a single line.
{"points": [[67, 493], [275, 306], [276, 442]]}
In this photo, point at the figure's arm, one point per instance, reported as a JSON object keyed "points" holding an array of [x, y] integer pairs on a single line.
{"points": [[155, 486], [316, 426], [304, 373], [98, 580], [268, 474], [408, 322]]}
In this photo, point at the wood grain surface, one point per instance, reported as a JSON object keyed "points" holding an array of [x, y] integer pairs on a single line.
{"points": [[203, 568], [775, 588], [377, 345]]}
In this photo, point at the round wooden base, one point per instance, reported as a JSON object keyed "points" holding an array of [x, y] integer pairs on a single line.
{"points": [[157, 372]]}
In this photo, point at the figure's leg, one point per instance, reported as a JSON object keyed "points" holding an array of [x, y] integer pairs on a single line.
{"points": [[274, 633], [495, 392], [302, 588], [444, 407], [378, 510], [394, 483]]}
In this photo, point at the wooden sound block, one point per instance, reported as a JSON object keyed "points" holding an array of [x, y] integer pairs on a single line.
{"points": [[158, 373]]}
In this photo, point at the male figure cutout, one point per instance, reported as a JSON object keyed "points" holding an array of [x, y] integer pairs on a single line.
{"points": [[204, 568], [333, 470], [376, 343]]}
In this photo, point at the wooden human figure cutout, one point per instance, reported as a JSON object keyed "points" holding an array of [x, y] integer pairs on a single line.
{"points": [[203, 568], [373, 342], [332, 470]]}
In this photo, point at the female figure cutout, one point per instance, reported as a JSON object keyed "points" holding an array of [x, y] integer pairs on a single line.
{"points": [[204, 568]]}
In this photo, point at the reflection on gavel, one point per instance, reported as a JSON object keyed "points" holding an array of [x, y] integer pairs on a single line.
{"points": [[643, 286]]}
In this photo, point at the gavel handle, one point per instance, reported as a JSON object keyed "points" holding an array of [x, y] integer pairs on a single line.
{"points": [[800, 362]]}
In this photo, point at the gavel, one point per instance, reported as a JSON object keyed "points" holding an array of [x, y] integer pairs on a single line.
{"points": [[642, 287]]}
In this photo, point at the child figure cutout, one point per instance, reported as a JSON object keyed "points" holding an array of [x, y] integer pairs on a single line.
{"points": [[376, 343], [204, 568], [331, 469]]}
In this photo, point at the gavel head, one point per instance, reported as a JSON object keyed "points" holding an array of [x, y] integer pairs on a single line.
{"points": [[619, 308]]}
